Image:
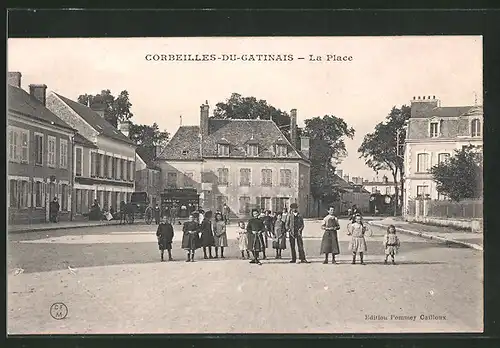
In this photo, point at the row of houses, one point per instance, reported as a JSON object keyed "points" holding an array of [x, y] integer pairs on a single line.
{"points": [[60, 148]]}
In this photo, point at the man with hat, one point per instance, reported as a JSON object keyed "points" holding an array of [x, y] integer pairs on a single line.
{"points": [[295, 225]]}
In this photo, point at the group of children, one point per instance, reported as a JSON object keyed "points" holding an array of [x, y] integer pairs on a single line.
{"points": [[253, 236]]}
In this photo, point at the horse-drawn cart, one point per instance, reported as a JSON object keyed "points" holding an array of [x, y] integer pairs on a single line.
{"points": [[139, 208]]}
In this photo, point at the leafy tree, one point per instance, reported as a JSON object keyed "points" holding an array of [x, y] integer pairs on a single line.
{"points": [[382, 149], [117, 109], [460, 177], [327, 136], [147, 138]]}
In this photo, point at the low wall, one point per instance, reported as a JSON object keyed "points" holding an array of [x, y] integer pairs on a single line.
{"points": [[474, 225]]}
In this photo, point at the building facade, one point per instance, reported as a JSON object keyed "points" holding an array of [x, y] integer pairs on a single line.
{"points": [[242, 163], [433, 134], [40, 156], [382, 186], [106, 165]]}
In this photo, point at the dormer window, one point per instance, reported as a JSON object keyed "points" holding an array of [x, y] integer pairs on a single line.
{"points": [[281, 150], [434, 129], [475, 128], [252, 150], [223, 149]]}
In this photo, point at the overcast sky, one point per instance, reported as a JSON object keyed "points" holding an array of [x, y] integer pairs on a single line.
{"points": [[384, 72]]}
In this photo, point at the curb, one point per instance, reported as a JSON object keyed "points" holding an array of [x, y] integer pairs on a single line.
{"points": [[430, 236], [54, 228]]}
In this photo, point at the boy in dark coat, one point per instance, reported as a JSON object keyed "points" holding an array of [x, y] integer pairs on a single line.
{"points": [[190, 239], [207, 235], [255, 227], [165, 234]]}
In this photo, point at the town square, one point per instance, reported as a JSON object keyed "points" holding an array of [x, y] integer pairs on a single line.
{"points": [[290, 195]]}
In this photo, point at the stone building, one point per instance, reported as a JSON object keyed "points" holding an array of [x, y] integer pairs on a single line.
{"points": [[243, 163], [147, 176], [39, 147], [433, 133], [104, 157]]}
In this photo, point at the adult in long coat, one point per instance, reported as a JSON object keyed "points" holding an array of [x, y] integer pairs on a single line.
{"points": [[165, 235], [207, 236], [190, 238], [54, 210], [255, 227], [295, 225], [220, 235], [330, 242], [267, 220]]}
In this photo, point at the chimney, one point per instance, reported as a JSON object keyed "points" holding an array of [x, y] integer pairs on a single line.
{"points": [[339, 172], [99, 108], [204, 108], [304, 146], [124, 128], [39, 92], [158, 149], [15, 79], [346, 178], [421, 106], [293, 127]]}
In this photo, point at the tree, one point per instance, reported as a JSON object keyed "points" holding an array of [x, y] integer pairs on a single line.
{"points": [[147, 138], [382, 148], [116, 109], [327, 136], [460, 177]]}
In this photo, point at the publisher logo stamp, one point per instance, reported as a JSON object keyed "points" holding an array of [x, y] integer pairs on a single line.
{"points": [[58, 311]]}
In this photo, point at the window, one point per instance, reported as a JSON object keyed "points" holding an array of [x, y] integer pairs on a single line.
{"points": [[63, 153], [387, 190], [221, 200], [188, 179], [434, 129], [51, 151], [105, 171], [443, 157], [475, 128], [245, 176], [253, 150], [172, 180], [302, 181], [131, 170], [422, 162], [123, 170], [37, 189], [78, 161], [64, 197], [24, 194], [223, 176], [265, 203], [78, 201], [18, 145], [283, 202], [13, 193], [244, 205], [98, 165], [285, 177], [93, 164], [421, 190], [223, 149], [110, 167], [24, 146], [38, 149], [115, 168], [442, 197], [281, 150], [267, 179]]}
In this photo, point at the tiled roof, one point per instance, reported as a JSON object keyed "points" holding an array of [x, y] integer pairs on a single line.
{"points": [[147, 156], [451, 111], [185, 144], [21, 101], [95, 120], [80, 139]]}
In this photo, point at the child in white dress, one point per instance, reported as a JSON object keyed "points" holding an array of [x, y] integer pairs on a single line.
{"points": [[243, 240], [391, 243], [358, 243]]}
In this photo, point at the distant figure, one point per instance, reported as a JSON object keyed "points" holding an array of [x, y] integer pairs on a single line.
{"points": [[123, 209], [243, 240], [391, 244], [225, 213], [255, 227], [165, 235], [157, 214], [95, 211], [173, 214], [54, 210], [279, 236]]}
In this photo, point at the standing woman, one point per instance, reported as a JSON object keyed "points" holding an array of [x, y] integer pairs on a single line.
{"points": [[190, 237], [220, 236], [279, 235], [330, 242], [207, 236], [255, 228]]}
